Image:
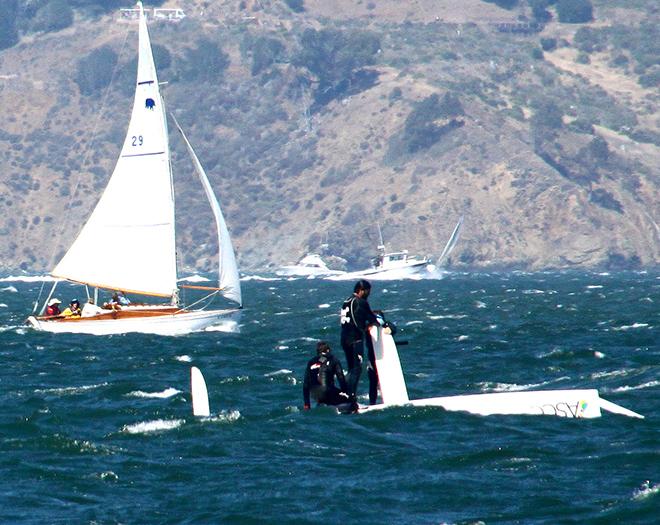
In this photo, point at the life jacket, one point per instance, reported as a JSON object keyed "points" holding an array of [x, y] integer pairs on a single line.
{"points": [[319, 371]]}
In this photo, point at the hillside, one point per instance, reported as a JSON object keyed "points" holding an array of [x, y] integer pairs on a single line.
{"points": [[316, 125]]}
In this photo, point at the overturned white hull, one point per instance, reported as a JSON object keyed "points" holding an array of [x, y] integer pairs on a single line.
{"points": [[167, 324], [579, 403], [562, 403]]}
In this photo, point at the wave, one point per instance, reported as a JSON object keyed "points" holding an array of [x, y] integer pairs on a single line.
{"points": [[630, 327], [157, 425], [512, 387], [238, 379], [228, 416], [168, 392], [645, 490], [650, 384], [12, 289], [27, 278], [228, 326], [69, 390], [280, 372], [184, 358], [259, 278], [194, 279], [324, 305], [612, 373]]}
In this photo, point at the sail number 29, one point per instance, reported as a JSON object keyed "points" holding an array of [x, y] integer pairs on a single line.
{"points": [[137, 141]]}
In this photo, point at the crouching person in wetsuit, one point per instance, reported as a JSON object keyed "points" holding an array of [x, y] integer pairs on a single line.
{"points": [[320, 377]]}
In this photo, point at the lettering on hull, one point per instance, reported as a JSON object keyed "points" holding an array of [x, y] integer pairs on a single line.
{"points": [[563, 409]]}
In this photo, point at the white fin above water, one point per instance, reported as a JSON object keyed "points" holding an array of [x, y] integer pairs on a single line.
{"points": [[200, 396]]}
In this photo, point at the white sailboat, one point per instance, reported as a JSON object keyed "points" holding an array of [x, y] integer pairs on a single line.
{"points": [[128, 242]]}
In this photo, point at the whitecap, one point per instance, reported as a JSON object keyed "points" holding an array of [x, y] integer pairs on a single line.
{"points": [[157, 425], [11, 289], [455, 316], [227, 326], [463, 338], [259, 278], [168, 392], [410, 323], [239, 379], [282, 347], [512, 387], [324, 305], [613, 373], [645, 490], [631, 327], [533, 292], [650, 384], [280, 372], [184, 358], [480, 304], [68, 389], [227, 416], [27, 278], [594, 286], [598, 354], [194, 279], [3, 305]]}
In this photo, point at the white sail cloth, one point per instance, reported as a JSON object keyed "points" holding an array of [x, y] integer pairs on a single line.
{"points": [[128, 243], [228, 278]]}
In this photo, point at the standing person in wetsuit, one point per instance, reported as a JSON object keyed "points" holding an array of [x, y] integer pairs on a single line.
{"points": [[356, 317], [320, 376]]}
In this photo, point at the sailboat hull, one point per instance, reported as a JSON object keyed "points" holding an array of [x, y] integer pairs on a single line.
{"points": [[179, 323]]}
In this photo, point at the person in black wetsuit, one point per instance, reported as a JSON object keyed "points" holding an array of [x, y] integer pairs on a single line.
{"points": [[320, 377], [356, 317]]}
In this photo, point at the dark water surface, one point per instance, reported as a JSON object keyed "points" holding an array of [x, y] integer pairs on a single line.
{"points": [[99, 429]]}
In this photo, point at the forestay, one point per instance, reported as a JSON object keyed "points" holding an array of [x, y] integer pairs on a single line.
{"points": [[128, 243]]}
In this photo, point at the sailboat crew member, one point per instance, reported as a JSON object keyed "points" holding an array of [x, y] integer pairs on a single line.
{"points": [[356, 316], [320, 375], [73, 310], [53, 307]]}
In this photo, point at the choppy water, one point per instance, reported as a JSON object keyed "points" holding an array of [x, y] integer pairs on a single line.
{"points": [[99, 429]]}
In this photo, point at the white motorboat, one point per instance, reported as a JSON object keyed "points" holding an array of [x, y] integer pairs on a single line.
{"points": [[402, 265], [311, 265]]}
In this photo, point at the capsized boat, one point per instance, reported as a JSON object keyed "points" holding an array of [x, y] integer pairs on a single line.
{"points": [[311, 265], [570, 403], [128, 242]]}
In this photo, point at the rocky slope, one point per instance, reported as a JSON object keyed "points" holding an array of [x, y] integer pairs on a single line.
{"points": [[553, 160]]}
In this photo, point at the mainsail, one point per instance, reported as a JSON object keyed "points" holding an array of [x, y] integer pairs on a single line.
{"points": [[128, 243], [453, 239], [228, 278]]}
